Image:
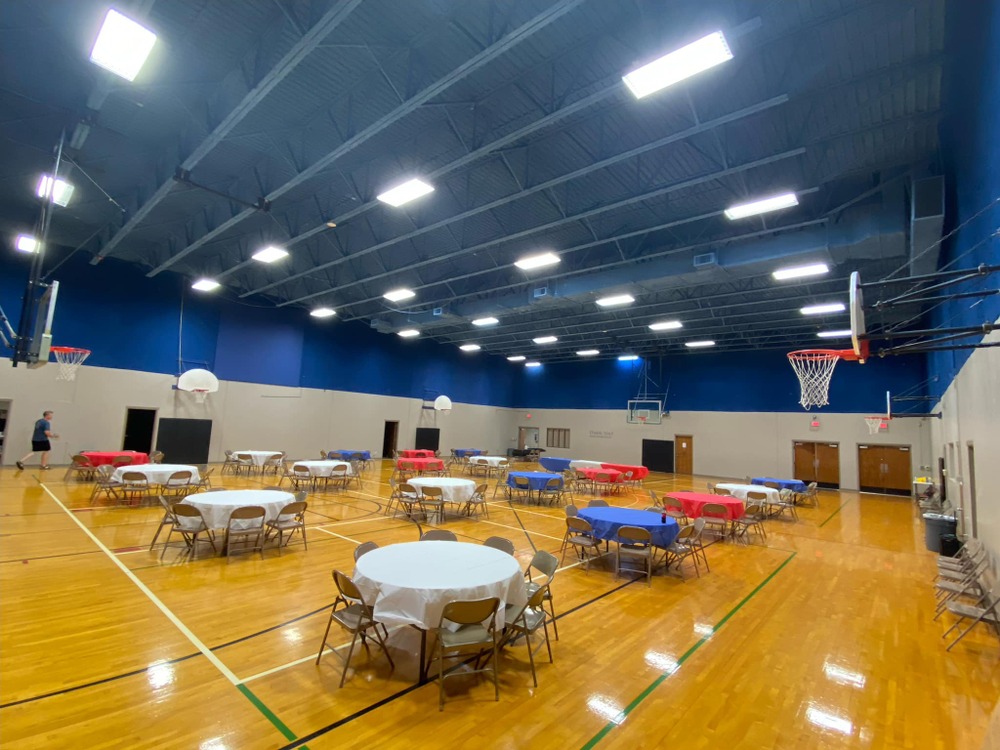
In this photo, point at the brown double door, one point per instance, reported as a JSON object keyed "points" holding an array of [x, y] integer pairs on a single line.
{"points": [[885, 469], [818, 462]]}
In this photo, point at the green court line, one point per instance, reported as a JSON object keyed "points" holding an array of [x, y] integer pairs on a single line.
{"points": [[834, 513], [687, 654], [268, 713]]}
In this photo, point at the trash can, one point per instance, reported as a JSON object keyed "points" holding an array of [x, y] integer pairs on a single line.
{"points": [[950, 545], [937, 525]]}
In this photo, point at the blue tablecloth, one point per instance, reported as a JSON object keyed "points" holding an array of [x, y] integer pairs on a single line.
{"points": [[346, 455], [536, 479], [463, 452], [795, 485], [607, 521], [555, 464]]}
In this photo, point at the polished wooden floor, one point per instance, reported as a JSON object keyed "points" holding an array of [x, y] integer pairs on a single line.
{"points": [[822, 638]]}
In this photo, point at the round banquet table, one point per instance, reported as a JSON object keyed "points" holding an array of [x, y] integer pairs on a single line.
{"points": [[100, 458], [580, 465], [422, 464], [453, 489], [323, 468], [416, 453], [613, 474], [410, 583], [693, 502], [492, 461], [215, 507], [537, 480], [607, 521], [259, 458], [464, 452], [638, 472], [156, 473], [741, 490], [555, 464], [345, 455], [795, 485]]}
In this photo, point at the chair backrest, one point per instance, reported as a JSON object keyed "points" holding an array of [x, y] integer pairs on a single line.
{"points": [[687, 532], [757, 497], [480, 492], [579, 525], [602, 476], [522, 483], [634, 535], [295, 510], [229, 455], [438, 535], [301, 495], [698, 526], [104, 472], [480, 461], [545, 563], [207, 472], [407, 466], [503, 463], [811, 487], [553, 484], [432, 492], [79, 460], [711, 487], [672, 503], [772, 485], [134, 477], [323, 455], [597, 503], [301, 471], [346, 586], [570, 510], [715, 510], [501, 543], [183, 510], [178, 477], [363, 548], [245, 457], [248, 513], [406, 488], [121, 460], [471, 612]]}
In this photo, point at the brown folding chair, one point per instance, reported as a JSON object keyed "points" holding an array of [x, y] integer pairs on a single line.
{"points": [[292, 518], [501, 543], [245, 531], [476, 634], [354, 615], [190, 524]]}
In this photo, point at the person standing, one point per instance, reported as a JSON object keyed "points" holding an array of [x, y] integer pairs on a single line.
{"points": [[40, 440]]}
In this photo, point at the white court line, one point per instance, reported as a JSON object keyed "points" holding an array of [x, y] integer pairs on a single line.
{"points": [[339, 536], [195, 641], [518, 528]]}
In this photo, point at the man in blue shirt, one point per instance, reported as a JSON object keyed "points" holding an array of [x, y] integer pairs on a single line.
{"points": [[40, 440]]}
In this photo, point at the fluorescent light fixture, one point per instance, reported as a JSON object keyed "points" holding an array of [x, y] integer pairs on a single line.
{"points": [[682, 63], [270, 254], [205, 285], [532, 364], [531, 262], [828, 720], [26, 243], [666, 325], [516, 358], [795, 272], [332, 224], [829, 307], [698, 344], [408, 191], [628, 357], [58, 190], [122, 45], [839, 334], [762, 206], [323, 312], [546, 339], [408, 333], [398, 295], [615, 300], [485, 322], [470, 347], [588, 352]]}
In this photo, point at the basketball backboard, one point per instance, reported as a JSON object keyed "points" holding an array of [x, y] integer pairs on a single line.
{"points": [[644, 412]]}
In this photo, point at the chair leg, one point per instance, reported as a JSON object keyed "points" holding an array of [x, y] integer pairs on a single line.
{"points": [[531, 659], [347, 661], [322, 646]]}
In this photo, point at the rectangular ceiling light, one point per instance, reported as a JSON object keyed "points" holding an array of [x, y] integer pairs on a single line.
{"points": [[408, 333], [531, 262], [58, 190], [545, 339], [408, 191], [628, 358], [763, 206], [398, 295], [323, 312], [516, 358], [615, 300], [841, 334], [532, 364], [666, 325], [270, 254], [122, 45], [796, 272], [829, 307], [470, 347], [26, 243], [485, 322], [682, 63], [698, 344], [588, 352], [205, 285]]}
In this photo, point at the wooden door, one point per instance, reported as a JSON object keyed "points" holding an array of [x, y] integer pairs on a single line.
{"points": [[804, 461], [683, 454], [870, 468], [828, 465], [885, 469]]}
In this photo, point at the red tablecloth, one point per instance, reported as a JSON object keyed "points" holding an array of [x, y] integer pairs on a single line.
{"points": [[416, 453], [99, 458], [613, 474], [693, 502], [422, 464], [638, 472]]}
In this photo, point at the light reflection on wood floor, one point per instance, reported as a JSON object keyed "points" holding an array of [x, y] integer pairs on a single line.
{"points": [[822, 638]]}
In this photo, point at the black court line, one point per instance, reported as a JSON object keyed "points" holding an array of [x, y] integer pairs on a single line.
{"points": [[270, 629], [520, 523], [48, 557], [407, 690]]}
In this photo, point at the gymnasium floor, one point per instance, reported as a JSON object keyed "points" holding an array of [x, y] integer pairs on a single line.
{"points": [[823, 638]]}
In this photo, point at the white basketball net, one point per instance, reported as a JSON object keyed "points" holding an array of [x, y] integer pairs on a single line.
{"points": [[69, 361], [814, 368], [200, 395], [875, 424]]}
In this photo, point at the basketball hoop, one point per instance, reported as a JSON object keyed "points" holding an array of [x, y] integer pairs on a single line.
{"points": [[875, 424], [69, 359], [642, 420], [814, 368], [200, 394], [199, 382]]}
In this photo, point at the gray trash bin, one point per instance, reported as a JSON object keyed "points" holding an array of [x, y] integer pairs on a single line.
{"points": [[937, 525]]}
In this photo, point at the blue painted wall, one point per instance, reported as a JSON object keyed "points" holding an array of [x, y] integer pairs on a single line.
{"points": [[970, 136]]}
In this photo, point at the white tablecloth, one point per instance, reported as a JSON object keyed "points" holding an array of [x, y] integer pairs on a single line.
{"points": [[741, 490], [323, 468], [409, 584], [215, 507], [586, 465], [156, 473], [259, 458], [454, 490], [493, 461]]}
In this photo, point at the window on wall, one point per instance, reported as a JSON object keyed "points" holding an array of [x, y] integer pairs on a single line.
{"points": [[557, 437]]}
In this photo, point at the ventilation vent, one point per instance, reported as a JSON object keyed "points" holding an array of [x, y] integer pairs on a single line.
{"points": [[706, 259], [541, 291]]}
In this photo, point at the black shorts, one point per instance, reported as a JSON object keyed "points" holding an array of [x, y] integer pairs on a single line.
{"points": [[39, 446]]}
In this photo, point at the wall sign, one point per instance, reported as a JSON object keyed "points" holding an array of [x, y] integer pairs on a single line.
{"points": [[602, 434]]}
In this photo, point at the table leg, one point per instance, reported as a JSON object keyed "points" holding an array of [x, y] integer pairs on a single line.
{"points": [[422, 678]]}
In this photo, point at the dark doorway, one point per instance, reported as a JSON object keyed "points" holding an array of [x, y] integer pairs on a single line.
{"points": [[139, 426], [428, 438], [389, 439], [658, 455], [184, 441]]}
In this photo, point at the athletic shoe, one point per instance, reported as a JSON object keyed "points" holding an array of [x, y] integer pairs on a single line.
{"points": [[19, 465], [43, 468]]}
